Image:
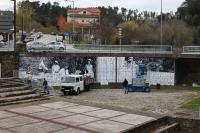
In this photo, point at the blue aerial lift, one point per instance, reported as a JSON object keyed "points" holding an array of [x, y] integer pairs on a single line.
{"points": [[139, 83]]}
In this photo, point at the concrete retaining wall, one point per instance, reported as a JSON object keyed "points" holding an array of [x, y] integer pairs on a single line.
{"points": [[9, 62]]}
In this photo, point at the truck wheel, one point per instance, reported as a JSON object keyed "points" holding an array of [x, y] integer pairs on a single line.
{"points": [[78, 91]]}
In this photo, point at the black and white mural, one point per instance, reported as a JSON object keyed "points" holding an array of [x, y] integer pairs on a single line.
{"points": [[53, 68], [103, 69], [154, 70]]}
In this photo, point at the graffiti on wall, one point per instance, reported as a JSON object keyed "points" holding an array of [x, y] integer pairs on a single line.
{"points": [[154, 70], [53, 68], [152, 64], [103, 69]]}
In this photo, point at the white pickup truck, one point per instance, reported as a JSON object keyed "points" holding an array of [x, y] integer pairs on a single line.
{"points": [[75, 84]]}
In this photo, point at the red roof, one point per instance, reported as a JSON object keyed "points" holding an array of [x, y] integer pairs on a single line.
{"points": [[89, 9]]}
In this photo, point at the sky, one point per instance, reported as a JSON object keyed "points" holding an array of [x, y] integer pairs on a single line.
{"points": [[141, 5]]}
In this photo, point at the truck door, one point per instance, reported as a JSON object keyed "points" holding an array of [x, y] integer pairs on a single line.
{"points": [[79, 83]]}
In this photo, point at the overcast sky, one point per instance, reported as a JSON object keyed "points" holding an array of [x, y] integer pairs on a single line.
{"points": [[141, 5]]}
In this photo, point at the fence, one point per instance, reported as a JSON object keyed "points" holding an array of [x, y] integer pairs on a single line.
{"points": [[91, 48], [125, 48], [191, 49]]}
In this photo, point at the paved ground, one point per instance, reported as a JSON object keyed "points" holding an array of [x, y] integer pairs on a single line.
{"points": [[157, 102], [66, 117]]}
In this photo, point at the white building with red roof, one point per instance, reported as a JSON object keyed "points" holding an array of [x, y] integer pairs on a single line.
{"points": [[85, 20]]}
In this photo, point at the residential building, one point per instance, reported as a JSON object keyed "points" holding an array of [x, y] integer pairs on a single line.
{"points": [[85, 21]]}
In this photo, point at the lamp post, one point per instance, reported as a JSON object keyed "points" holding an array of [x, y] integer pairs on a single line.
{"points": [[161, 28], [120, 37], [73, 26], [14, 23]]}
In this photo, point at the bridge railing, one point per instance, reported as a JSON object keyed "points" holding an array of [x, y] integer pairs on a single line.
{"points": [[125, 48], [89, 48], [191, 49]]}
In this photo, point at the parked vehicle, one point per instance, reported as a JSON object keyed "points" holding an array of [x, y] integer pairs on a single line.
{"points": [[75, 84], [30, 39], [35, 46], [56, 46], [38, 34], [45, 47]]}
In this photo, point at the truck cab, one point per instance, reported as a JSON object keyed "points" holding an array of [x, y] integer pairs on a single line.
{"points": [[72, 84]]}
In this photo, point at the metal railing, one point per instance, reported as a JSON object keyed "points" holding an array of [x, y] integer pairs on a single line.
{"points": [[191, 49], [89, 48]]}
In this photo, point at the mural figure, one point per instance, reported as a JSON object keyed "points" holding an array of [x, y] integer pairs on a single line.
{"points": [[1, 38], [66, 70], [89, 68], [55, 67], [62, 72], [42, 67]]}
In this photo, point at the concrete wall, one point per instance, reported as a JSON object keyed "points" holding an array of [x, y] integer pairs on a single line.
{"points": [[187, 71], [9, 62], [156, 70], [104, 69]]}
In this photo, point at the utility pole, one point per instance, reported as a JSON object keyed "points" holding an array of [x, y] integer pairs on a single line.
{"points": [[14, 24], [161, 28], [120, 37], [73, 24]]}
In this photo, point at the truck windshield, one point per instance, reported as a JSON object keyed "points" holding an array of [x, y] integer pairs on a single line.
{"points": [[68, 80]]}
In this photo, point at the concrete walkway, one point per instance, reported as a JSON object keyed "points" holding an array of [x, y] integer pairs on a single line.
{"points": [[65, 117]]}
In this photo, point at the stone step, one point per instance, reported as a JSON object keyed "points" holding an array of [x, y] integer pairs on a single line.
{"points": [[25, 101], [11, 89], [9, 85], [15, 80], [10, 80], [172, 128], [17, 93], [155, 126], [19, 98]]}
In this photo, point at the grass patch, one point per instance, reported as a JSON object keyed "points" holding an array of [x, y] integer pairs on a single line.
{"points": [[192, 105], [177, 87]]}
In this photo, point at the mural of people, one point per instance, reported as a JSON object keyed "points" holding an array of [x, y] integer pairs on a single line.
{"points": [[89, 68], [42, 67], [66, 70], [153, 70], [1, 38], [54, 68]]}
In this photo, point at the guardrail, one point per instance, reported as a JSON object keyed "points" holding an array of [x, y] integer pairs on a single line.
{"points": [[143, 48], [191, 49], [89, 48]]}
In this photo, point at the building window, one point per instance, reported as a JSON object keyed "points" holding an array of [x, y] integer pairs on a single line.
{"points": [[82, 20], [84, 12]]}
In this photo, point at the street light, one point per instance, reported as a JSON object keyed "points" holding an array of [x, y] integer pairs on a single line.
{"points": [[161, 28], [120, 37], [73, 18], [14, 23]]}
